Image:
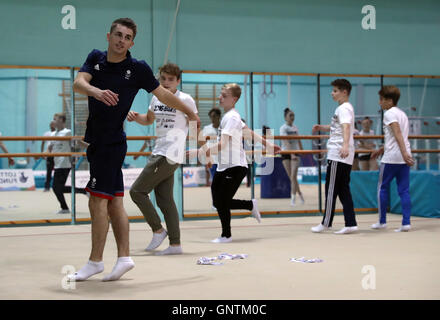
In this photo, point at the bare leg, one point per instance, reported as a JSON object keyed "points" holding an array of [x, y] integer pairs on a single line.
{"points": [[99, 215], [373, 165], [364, 165], [287, 166], [120, 225], [295, 165]]}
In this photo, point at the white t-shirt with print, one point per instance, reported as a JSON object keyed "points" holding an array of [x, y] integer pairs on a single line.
{"points": [[210, 131], [392, 152], [343, 114], [232, 155], [171, 127], [61, 146]]}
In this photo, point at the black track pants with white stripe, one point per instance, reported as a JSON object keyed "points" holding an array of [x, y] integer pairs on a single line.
{"points": [[337, 184]]}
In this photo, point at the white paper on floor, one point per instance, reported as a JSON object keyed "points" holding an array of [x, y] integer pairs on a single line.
{"points": [[222, 256], [304, 260], [209, 261], [228, 256]]}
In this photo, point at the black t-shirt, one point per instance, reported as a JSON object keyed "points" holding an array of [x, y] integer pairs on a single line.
{"points": [[105, 123]]}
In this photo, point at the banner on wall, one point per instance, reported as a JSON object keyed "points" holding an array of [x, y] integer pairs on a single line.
{"points": [[82, 177], [17, 180], [194, 176]]}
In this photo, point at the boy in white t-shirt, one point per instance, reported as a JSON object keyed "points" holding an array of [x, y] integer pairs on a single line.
{"points": [[49, 160], [211, 131], [396, 158], [167, 155], [340, 155], [232, 163], [62, 165]]}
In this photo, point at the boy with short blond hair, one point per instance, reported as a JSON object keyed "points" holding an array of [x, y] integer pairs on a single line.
{"points": [[396, 159], [232, 163]]}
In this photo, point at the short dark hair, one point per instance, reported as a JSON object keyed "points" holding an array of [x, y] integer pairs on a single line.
{"points": [[367, 118], [126, 22], [287, 111], [265, 128], [342, 84], [390, 92], [216, 111], [172, 69]]}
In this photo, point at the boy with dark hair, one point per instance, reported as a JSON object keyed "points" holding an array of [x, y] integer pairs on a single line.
{"points": [[112, 79], [49, 160], [211, 131], [396, 158], [340, 155], [62, 165]]}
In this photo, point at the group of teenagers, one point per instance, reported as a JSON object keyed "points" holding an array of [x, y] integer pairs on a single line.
{"points": [[111, 80]]}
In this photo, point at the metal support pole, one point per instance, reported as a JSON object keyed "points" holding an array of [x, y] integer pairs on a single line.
{"points": [[72, 124], [318, 79], [381, 111], [251, 112]]}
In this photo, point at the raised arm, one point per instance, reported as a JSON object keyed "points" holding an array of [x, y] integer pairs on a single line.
{"points": [[321, 127], [247, 132], [172, 101]]}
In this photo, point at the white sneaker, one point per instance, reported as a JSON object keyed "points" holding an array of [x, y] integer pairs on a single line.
{"points": [[347, 230], [301, 198], [63, 211], [378, 225], [292, 200], [319, 228], [255, 212], [222, 240], [157, 240], [170, 251], [404, 228]]}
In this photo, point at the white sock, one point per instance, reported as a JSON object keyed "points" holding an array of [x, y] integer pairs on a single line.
{"points": [[170, 250], [90, 269], [157, 240], [123, 265]]}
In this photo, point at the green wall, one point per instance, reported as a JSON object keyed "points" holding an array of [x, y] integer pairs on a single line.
{"points": [[280, 35]]}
